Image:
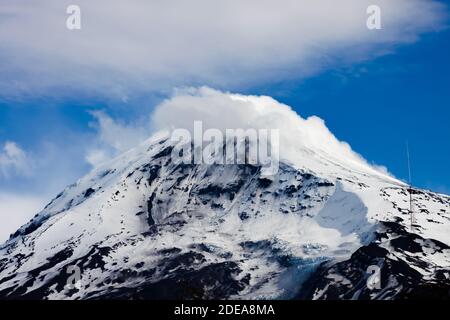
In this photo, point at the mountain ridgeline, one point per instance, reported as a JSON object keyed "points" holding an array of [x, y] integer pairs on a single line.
{"points": [[143, 227]]}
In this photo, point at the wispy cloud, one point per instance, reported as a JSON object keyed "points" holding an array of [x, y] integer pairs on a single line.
{"points": [[15, 210], [14, 160], [124, 47], [113, 137]]}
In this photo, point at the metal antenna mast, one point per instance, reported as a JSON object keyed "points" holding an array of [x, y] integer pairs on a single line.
{"points": [[411, 212]]}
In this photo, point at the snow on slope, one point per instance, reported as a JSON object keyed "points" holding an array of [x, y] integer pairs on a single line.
{"points": [[141, 226]]}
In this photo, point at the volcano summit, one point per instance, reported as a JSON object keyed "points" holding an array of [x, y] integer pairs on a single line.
{"points": [[144, 227]]}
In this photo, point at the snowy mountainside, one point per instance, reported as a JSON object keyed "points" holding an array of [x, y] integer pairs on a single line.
{"points": [[409, 267], [141, 226]]}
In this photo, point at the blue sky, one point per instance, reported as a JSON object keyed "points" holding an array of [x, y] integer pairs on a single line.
{"points": [[374, 89], [379, 105], [375, 106]]}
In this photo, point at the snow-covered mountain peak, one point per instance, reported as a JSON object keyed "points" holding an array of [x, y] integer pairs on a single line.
{"points": [[306, 143], [144, 226]]}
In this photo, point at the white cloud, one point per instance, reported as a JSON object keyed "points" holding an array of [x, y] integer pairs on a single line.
{"points": [[113, 138], [302, 141], [16, 210], [121, 137], [13, 160], [97, 156], [224, 110], [124, 47]]}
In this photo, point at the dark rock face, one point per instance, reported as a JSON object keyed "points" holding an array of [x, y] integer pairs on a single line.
{"points": [[397, 257], [187, 277], [88, 192], [215, 281], [92, 260]]}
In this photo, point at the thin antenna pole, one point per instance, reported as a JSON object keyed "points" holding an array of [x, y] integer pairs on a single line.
{"points": [[410, 189], [409, 163]]}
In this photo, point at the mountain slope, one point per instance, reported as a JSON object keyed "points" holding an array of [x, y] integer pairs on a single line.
{"points": [[408, 267], [144, 227]]}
